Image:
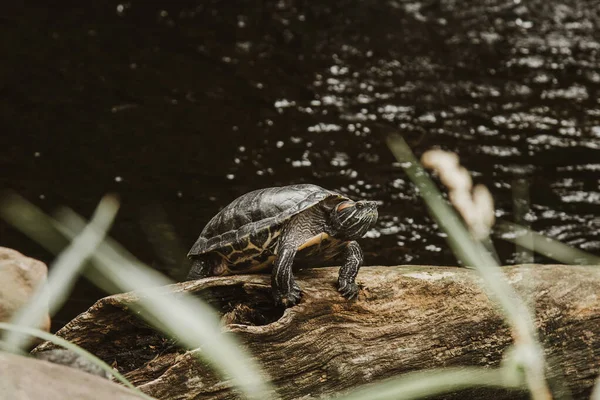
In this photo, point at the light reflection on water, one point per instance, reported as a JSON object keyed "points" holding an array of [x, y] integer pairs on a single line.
{"points": [[191, 105], [510, 128]]}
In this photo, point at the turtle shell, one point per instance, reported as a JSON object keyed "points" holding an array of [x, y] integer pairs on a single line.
{"points": [[256, 212]]}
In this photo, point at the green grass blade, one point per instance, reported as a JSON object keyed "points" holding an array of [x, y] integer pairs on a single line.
{"points": [[521, 208], [27, 219], [596, 391], [417, 385], [190, 320], [187, 318], [474, 254], [544, 245], [63, 274], [469, 252]]}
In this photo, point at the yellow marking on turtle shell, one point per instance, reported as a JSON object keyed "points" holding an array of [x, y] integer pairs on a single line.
{"points": [[252, 246], [223, 256], [264, 264], [315, 240], [249, 246], [271, 238], [257, 267]]}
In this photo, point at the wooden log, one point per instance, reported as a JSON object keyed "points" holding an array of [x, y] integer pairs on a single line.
{"points": [[407, 318]]}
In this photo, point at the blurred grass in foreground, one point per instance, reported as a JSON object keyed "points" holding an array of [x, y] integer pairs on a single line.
{"points": [[63, 273], [472, 253], [420, 384], [188, 319]]}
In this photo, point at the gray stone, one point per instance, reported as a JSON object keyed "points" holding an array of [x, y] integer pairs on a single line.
{"points": [[25, 378], [71, 359]]}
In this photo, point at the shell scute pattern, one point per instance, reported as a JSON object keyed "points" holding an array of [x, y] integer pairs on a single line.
{"points": [[256, 217]]}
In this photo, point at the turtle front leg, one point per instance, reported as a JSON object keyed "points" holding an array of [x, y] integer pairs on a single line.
{"points": [[285, 290], [353, 259]]}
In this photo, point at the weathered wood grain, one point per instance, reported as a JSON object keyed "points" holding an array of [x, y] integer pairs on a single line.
{"points": [[407, 318]]}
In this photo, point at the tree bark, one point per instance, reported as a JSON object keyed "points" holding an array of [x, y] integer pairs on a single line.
{"points": [[407, 318]]}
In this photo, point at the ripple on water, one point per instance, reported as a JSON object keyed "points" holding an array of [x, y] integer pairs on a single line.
{"points": [[296, 93], [522, 112]]}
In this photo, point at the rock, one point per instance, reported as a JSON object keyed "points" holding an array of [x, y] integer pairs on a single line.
{"points": [[71, 359], [19, 277], [407, 318], [25, 378]]}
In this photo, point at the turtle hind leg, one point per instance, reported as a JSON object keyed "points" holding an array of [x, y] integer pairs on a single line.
{"points": [[202, 267]]}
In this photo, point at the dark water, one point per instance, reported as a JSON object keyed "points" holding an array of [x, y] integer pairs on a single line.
{"points": [[182, 106]]}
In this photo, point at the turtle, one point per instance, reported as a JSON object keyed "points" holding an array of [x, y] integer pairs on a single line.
{"points": [[282, 229]]}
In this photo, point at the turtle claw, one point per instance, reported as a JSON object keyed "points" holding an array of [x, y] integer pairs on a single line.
{"points": [[288, 299], [348, 290]]}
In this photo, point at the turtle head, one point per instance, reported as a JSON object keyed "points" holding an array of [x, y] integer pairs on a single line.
{"points": [[351, 220]]}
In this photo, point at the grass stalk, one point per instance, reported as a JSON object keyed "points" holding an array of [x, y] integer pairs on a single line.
{"points": [[596, 391], [63, 275], [521, 209], [544, 245], [188, 319], [474, 254], [416, 385]]}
